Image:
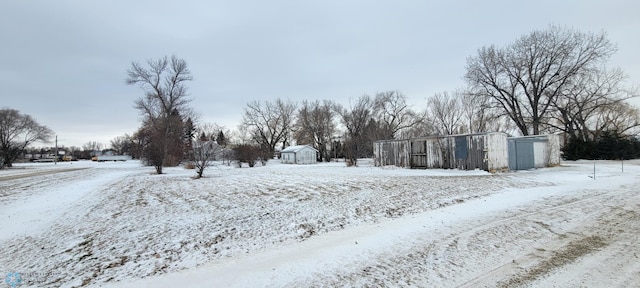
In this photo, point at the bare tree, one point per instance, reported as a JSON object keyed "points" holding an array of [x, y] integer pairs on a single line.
{"points": [[243, 135], [121, 144], [139, 143], [205, 148], [592, 97], [526, 77], [92, 148], [17, 131], [393, 114], [164, 104], [247, 153], [425, 127], [315, 125], [355, 119], [479, 115], [620, 118], [269, 123], [446, 112]]}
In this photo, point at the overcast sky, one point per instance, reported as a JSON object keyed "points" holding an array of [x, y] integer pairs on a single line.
{"points": [[64, 62]]}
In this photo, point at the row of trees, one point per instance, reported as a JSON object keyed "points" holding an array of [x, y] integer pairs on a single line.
{"points": [[556, 80], [549, 81], [168, 134], [334, 130], [265, 126], [348, 131]]}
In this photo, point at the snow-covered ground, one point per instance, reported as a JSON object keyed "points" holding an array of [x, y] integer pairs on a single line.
{"points": [[326, 225]]}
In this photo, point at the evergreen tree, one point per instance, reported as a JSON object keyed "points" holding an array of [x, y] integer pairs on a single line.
{"points": [[221, 140], [189, 135]]}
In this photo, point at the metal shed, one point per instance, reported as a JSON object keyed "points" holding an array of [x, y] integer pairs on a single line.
{"points": [[299, 154], [486, 151], [536, 151]]}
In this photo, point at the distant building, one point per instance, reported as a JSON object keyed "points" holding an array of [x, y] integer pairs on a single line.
{"points": [[299, 154]]}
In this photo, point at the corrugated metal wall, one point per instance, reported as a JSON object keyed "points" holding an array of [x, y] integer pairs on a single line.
{"points": [[487, 151], [521, 154], [391, 152]]}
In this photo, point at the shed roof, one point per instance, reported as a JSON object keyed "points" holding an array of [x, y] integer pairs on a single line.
{"points": [[532, 138], [436, 137], [296, 148]]}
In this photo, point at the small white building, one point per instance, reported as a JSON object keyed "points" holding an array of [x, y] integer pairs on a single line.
{"points": [[299, 154]]}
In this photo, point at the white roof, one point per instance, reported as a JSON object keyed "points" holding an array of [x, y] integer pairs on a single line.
{"points": [[296, 148]]}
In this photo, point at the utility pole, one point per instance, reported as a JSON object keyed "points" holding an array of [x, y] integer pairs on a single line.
{"points": [[55, 157]]}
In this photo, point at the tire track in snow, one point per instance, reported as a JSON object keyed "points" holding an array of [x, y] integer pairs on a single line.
{"points": [[558, 235], [423, 266], [298, 264], [34, 212]]}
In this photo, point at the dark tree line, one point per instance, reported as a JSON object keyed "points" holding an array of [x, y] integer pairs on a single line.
{"points": [[609, 146]]}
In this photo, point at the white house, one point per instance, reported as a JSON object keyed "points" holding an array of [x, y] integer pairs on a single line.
{"points": [[299, 154]]}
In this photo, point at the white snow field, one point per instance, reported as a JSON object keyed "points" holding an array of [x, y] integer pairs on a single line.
{"points": [[91, 224]]}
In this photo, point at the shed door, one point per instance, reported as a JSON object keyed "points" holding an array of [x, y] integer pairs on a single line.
{"points": [[521, 156], [462, 150]]}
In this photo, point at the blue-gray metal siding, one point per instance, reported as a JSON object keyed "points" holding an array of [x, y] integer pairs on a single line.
{"points": [[462, 149], [521, 155]]}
